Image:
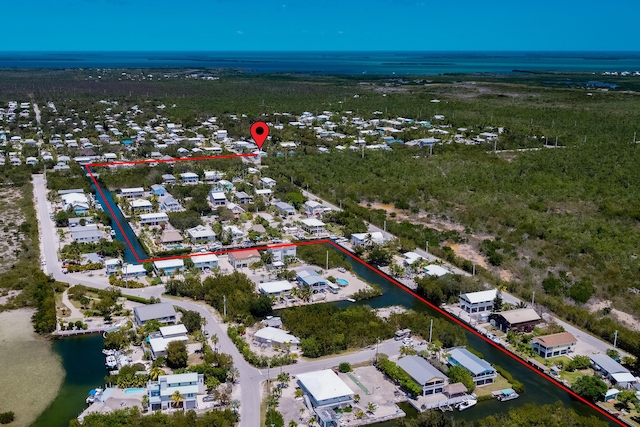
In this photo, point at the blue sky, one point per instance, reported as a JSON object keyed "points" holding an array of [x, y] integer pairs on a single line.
{"points": [[326, 25]]}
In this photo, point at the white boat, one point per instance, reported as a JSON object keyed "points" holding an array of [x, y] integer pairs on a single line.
{"points": [[466, 404], [93, 395], [113, 232], [111, 362], [108, 352], [351, 300]]}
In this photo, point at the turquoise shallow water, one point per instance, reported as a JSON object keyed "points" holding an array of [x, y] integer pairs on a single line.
{"points": [[376, 63]]}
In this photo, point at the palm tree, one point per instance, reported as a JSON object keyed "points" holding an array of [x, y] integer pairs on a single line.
{"points": [[301, 412], [521, 304], [155, 372], [356, 398], [293, 424], [214, 340], [371, 407], [313, 420], [177, 399], [145, 402], [233, 374]]}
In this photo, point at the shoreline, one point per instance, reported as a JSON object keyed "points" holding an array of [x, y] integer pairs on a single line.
{"points": [[33, 373]]}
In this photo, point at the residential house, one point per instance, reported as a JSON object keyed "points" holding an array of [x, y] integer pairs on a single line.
{"points": [[367, 239], [171, 237], [276, 289], [265, 193], [158, 190], [168, 266], [169, 204], [276, 336], [309, 277], [133, 270], [243, 198], [189, 178], [280, 252], [285, 208], [241, 259], [554, 344], [162, 312], [87, 234], [112, 265], [212, 176], [475, 302], [424, 374], [236, 209], [521, 320], [268, 182], [313, 208], [217, 198], [205, 261], [612, 370], [481, 371], [236, 233], [160, 340], [154, 218], [140, 205], [313, 226], [169, 179], [132, 193], [325, 389], [75, 201], [201, 234], [188, 385], [411, 258], [435, 270]]}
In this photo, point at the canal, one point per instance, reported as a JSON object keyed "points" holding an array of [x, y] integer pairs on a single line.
{"points": [[538, 390], [107, 201], [83, 363]]}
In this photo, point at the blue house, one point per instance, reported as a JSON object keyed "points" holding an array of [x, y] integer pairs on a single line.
{"points": [[158, 190], [481, 371], [127, 142]]}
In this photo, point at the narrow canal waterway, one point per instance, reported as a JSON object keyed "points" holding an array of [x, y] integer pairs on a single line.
{"points": [[128, 255], [83, 363]]}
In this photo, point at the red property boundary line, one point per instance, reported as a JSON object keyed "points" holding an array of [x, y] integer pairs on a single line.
{"points": [[348, 253]]}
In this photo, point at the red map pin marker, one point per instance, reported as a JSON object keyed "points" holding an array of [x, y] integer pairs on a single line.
{"points": [[259, 133]]}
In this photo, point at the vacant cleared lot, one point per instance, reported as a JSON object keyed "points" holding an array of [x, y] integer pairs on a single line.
{"points": [[10, 220]]}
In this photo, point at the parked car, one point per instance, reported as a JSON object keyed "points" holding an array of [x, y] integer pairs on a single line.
{"points": [[209, 398]]}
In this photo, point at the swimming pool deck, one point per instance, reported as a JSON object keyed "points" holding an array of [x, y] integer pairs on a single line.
{"points": [[111, 400]]}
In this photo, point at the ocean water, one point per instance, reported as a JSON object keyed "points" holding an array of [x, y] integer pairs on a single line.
{"points": [[375, 63]]}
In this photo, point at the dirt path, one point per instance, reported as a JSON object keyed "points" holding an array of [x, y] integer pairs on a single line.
{"points": [[37, 111], [75, 313]]}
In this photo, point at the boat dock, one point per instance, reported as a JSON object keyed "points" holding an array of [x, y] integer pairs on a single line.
{"points": [[439, 401]]}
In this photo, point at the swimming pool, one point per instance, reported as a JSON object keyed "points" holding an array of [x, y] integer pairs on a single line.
{"points": [[134, 390], [342, 282]]}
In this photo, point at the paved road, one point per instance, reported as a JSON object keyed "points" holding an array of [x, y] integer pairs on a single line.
{"points": [[37, 111]]}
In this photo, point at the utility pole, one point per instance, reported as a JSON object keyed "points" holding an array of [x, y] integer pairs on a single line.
{"points": [[556, 141], [533, 298], [363, 151], [385, 226], [634, 137], [430, 331], [224, 300], [327, 265], [473, 273], [615, 339], [427, 246], [495, 145]]}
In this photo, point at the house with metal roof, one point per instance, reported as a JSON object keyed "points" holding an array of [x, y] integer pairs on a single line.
{"points": [[612, 370], [309, 277], [325, 389], [521, 320], [270, 335], [476, 302], [554, 344], [422, 372], [313, 226], [169, 266], [276, 289], [481, 371], [154, 218], [188, 385], [205, 261], [201, 234], [87, 234], [163, 312], [285, 208]]}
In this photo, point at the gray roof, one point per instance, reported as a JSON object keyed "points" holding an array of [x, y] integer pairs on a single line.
{"points": [[91, 258], [470, 361], [419, 369], [274, 322], [155, 187], [168, 177], [607, 363], [154, 311], [80, 232], [284, 206]]}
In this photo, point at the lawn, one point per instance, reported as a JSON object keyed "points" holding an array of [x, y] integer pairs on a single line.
{"points": [[500, 383], [571, 377]]}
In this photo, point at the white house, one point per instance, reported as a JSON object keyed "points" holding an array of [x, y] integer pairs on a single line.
{"points": [[411, 257], [270, 335], [313, 226], [169, 204], [280, 252], [201, 234], [313, 208], [133, 270], [112, 265], [188, 385], [154, 218], [217, 198], [276, 289], [132, 193], [87, 234], [241, 259], [476, 302], [435, 270], [168, 266], [268, 182], [159, 341], [189, 178], [205, 261], [212, 176], [141, 205], [366, 239], [325, 388]]}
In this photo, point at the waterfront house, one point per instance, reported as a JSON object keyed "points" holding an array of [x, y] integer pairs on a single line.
{"points": [[285, 208], [205, 261], [612, 370], [171, 237], [154, 218], [159, 341], [241, 259], [520, 320], [212, 176], [309, 277], [87, 234], [410, 258], [313, 226], [162, 312], [169, 266], [325, 389], [112, 265], [169, 204], [276, 289], [280, 252], [367, 239], [132, 193], [435, 270], [201, 234], [481, 371], [429, 378], [554, 344], [140, 205], [76, 201], [189, 385], [264, 193], [476, 302]]}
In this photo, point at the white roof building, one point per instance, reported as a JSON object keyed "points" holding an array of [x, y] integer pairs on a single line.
{"points": [[325, 387], [435, 270], [275, 288], [275, 336]]}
